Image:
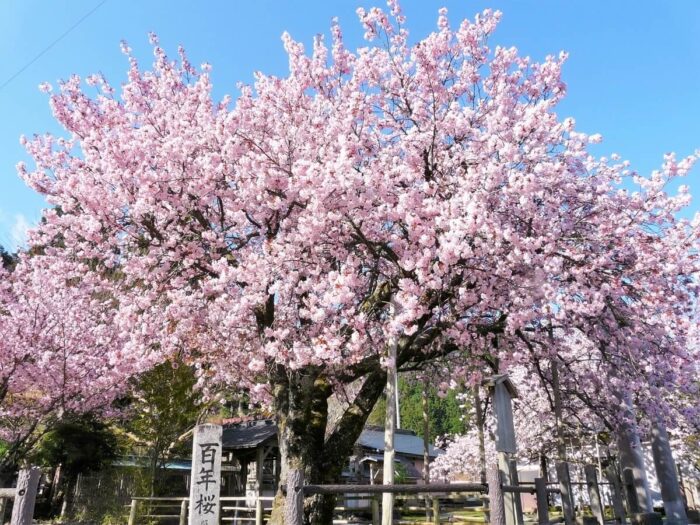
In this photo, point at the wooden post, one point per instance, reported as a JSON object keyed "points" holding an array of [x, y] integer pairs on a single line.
{"points": [[294, 503], [183, 512], [23, 508], [542, 501], [503, 393], [132, 512], [616, 494], [436, 510], [376, 517], [567, 505], [594, 493], [496, 507], [667, 475], [509, 498], [517, 500], [260, 457], [3, 509], [633, 506]]}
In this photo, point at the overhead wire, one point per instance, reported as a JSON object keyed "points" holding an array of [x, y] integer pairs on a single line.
{"points": [[52, 44]]}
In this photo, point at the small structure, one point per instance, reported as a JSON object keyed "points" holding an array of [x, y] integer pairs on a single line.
{"points": [[367, 462], [250, 444], [250, 459]]}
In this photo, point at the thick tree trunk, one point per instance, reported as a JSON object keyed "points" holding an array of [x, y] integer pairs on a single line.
{"points": [[301, 407]]}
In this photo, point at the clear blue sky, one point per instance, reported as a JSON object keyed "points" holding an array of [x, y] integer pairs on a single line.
{"points": [[633, 72]]}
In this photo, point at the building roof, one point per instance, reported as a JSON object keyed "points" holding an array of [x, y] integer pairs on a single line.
{"points": [[249, 434], [405, 442], [141, 462]]}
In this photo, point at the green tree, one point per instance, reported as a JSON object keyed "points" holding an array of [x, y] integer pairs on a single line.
{"points": [[7, 259], [444, 413], [77, 444], [163, 406]]}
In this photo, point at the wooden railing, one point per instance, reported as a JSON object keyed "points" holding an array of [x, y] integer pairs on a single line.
{"points": [[160, 508]]}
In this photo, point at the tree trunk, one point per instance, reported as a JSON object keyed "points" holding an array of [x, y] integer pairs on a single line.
{"points": [[301, 407]]}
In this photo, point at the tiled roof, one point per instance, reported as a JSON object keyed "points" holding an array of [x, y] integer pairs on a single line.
{"points": [[249, 434], [253, 433], [405, 442]]}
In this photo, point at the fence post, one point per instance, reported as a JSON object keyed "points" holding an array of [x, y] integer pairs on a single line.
{"points": [[496, 506], [517, 500], [294, 504], [567, 499], [436, 510], [23, 508], [132, 512], [542, 503], [616, 494], [258, 510], [376, 519], [183, 512], [594, 493]]}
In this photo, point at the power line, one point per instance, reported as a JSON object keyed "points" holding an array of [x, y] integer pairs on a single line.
{"points": [[56, 41]]}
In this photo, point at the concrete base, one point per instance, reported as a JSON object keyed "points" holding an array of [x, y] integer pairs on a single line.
{"points": [[646, 518]]}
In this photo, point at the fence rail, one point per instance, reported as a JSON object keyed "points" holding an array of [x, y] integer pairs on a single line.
{"points": [[182, 503], [432, 488]]}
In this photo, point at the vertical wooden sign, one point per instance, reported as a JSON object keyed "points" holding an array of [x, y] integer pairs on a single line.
{"points": [[205, 485]]}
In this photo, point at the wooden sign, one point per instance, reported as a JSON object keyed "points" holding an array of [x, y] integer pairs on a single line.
{"points": [[503, 394], [205, 486]]}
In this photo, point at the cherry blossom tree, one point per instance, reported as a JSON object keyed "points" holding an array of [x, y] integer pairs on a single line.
{"points": [[420, 196], [60, 351]]}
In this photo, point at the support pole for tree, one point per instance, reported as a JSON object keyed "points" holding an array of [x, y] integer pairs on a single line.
{"points": [[389, 431], [594, 493], [25, 496], [426, 444], [667, 475]]}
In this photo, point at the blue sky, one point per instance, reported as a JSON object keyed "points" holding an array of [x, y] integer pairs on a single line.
{"points": [[633, 73]]}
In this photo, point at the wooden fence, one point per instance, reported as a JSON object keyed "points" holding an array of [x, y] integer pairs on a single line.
{"points": [[436, 498], [233, 509], [24, 496]]}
